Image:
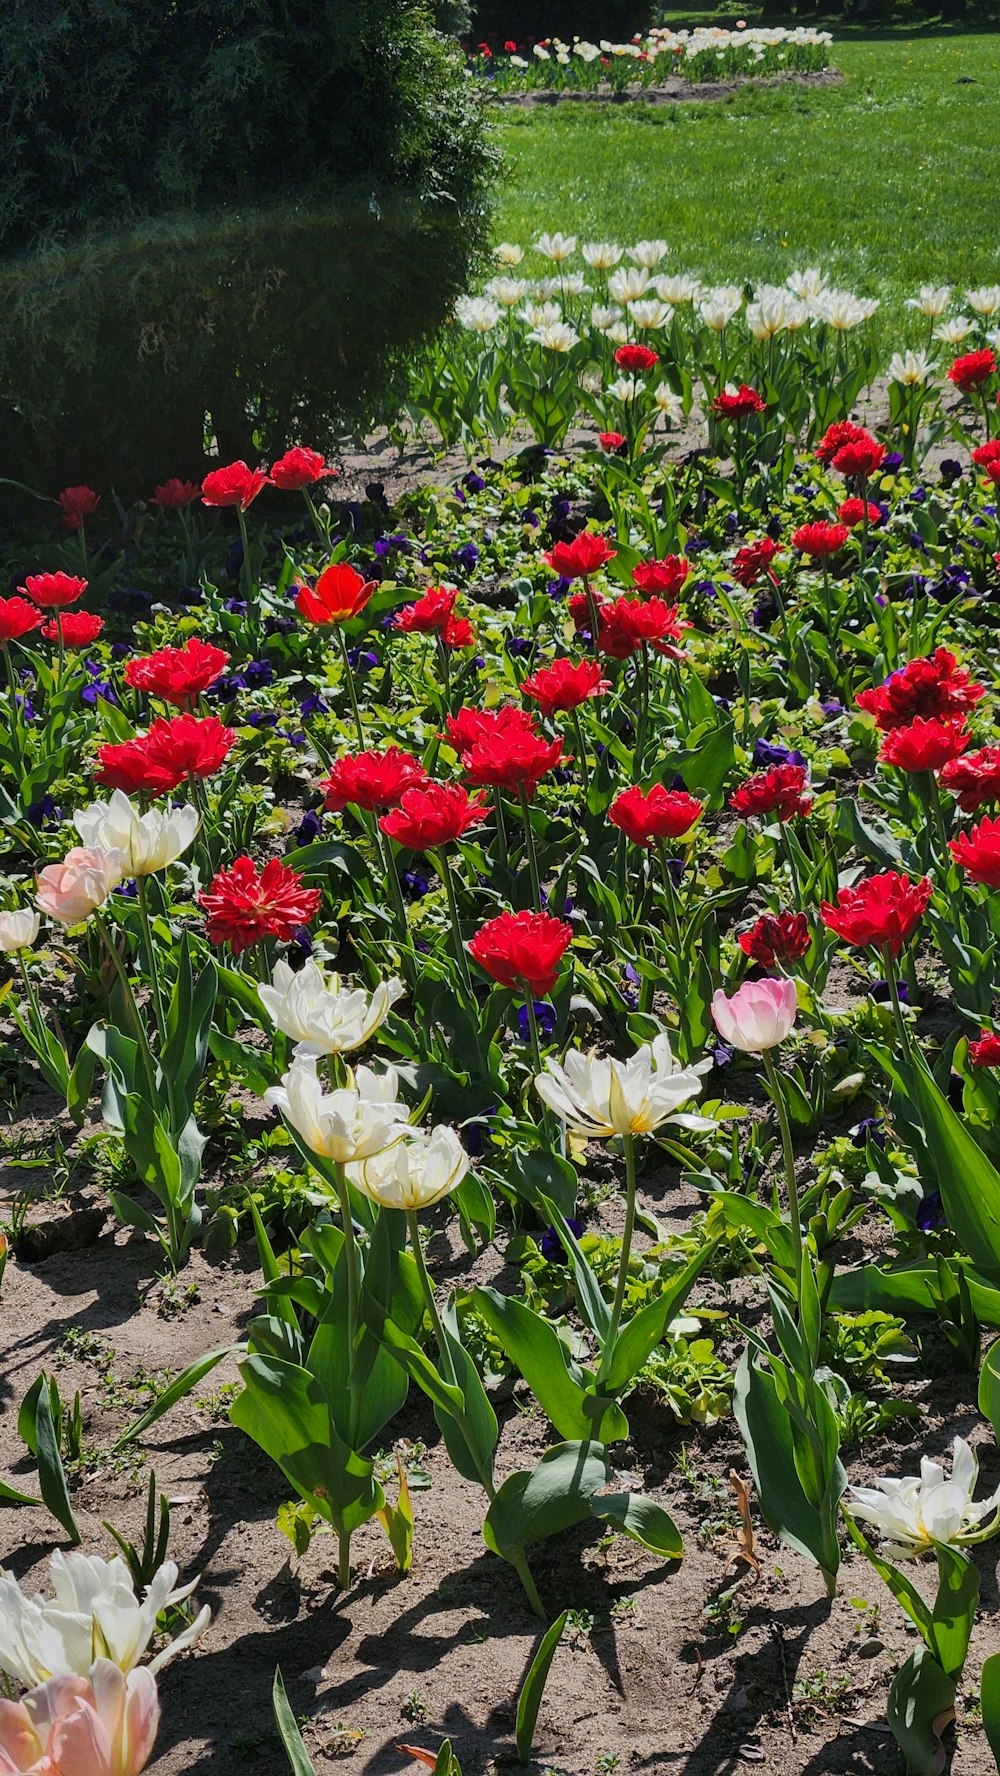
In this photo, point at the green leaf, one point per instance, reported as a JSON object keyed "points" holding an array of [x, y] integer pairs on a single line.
{"points": [[284, 1409], [560, 1385], [181, 1385], [921, 1705], [905, 1593], [767, 1431], [910, 1286], [954, 1608], [989, 1387], [530, 1697], [638, 1339], [968, 1181], [556, 1494], [594, 1310], [989, 1698], [288, 1729], [51, 1473], [643, 1519]]}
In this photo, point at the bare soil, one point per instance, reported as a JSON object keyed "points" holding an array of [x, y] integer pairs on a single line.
{"points": [[670, 92]]}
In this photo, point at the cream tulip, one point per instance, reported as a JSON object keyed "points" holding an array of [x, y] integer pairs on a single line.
{"points": [[416, 1172], [18, 930], [146, 842], [600, 1097], [914, 1513], [94, 1605], [325, 1016], [351, 1122]]}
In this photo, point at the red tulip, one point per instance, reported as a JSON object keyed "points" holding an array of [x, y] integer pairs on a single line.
{"points": [[974, 778], [924, 745], [880, 913], [624, 624], [985, 1052], [582, 557], [648, 817], [522, 951], [737, 403], [469, 726], [235, 485], [79, 628], [17, 618], [666, 576], [515, 759], [53, 590], [564, 685], [776, 938], [174, 495], [177, 675], [636, 357], [371, 780], [339, 594], [935, 686], [859, 458], [299, 468], [429, 614], [754, 560], [781, 791], [852, 512], [76, 504], [845, 431], [969, 373], [978, 852], [820, 540], [434, 814], [244, 905]]}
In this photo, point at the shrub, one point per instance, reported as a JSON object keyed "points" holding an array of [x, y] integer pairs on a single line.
{"points": [[495, 21], [251, 209]]}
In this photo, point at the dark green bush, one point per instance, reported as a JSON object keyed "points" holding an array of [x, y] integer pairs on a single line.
{"points": [[495, 21], [250, 210]]}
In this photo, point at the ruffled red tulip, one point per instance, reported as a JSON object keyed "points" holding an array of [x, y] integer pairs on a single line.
{"points": [[128, 767], [820, 540], [636, 357], [54, 590], [522, 951], [752, 562], [974, 778], [192, 745], [339, 594], [737, 403], [17, 618], [666, 576], [434, 814], [845, 431], [79, 628], [458, 633], [625, 623], [244, 906], [565, 685], [852, 512], [972, 371], [985, 1052], [881, 913], [235, 485], [935, 686], [781, 791], [516, 760], [987, 453], [993, 473], [924, 745], [175, 494], [299, 468], [776, 939], [469, 726], [372, 780], [612, 443], [647, 817], [583, 556], [859, 459], [76, 504], [177, 675], [429, 614], [978, 852]]}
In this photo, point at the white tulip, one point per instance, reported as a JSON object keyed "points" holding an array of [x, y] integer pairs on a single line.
{"points": [[540, 314], [477, 313], [145, 842], [985, 300], [506, 291], [325, 1016], [604, 318], [94, 1613], [651, 316], [717, 309], [932, 300], [841, 310], [544, 289], [624, 389], [954, 332], [557, 247], [670, 405], [915, 1513], [647, 253], [601, 255], [508, 253], [573, 284], [352, 1122], [808, 284], [909, 368], [18, 930], [678, 289], [619, 334], [600, 1097], [416, 1172], [775, 311], [557, 336], [628, 285]]}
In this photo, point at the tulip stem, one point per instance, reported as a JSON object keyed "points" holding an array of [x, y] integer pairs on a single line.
{"points": [[36, 1010], [529, 844], [456, 929], [673, 911], [15, 713], [142, 1039], [581, 754], [248, 585], [642, 676], [349, 681], [353, 1294], [592, 610], [152, 962], [628, 1143], [788, 1157], [892, 981]]}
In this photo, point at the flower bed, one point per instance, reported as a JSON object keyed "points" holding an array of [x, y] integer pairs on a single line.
{"points": [[544, 934], [704, 54]]}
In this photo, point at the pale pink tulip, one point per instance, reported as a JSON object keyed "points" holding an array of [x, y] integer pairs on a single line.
{"points": [[103, 1725], [70, 891], [759, 1015]]}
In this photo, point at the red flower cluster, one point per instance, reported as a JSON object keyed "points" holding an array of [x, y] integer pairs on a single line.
{"points": [[79, 628], [978, 852], [299, 468], [53, 590], [666, 576], [515, 759], [76, 504], [158, 762], [372, 780], [754, 560], [434, 814], [852, 513], [177, 675], [881, 913], [17, 618], [969, 373], [430, 614], [845, 431], [235, 485], [565, 685], [858, 458], [624, 624], [985, 1052], [636, 357], [585, 555], [648, 817], [777, 938], [175, 494], [737, 403], [935, 686], [470, 726], [820, 540], [244, 906], [974, 778], [781, 791], [522, 951], [924, 745], [339, 594]]}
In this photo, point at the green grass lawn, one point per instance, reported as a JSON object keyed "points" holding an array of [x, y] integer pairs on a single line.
{"points": [[888, 181]]}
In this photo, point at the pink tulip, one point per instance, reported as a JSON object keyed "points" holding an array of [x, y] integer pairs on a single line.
{"points": [[103, 1725], [759, 1015], [70, 891]]}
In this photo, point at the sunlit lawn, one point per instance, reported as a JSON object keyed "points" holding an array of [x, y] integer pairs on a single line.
{"points": [[888, 180]]}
